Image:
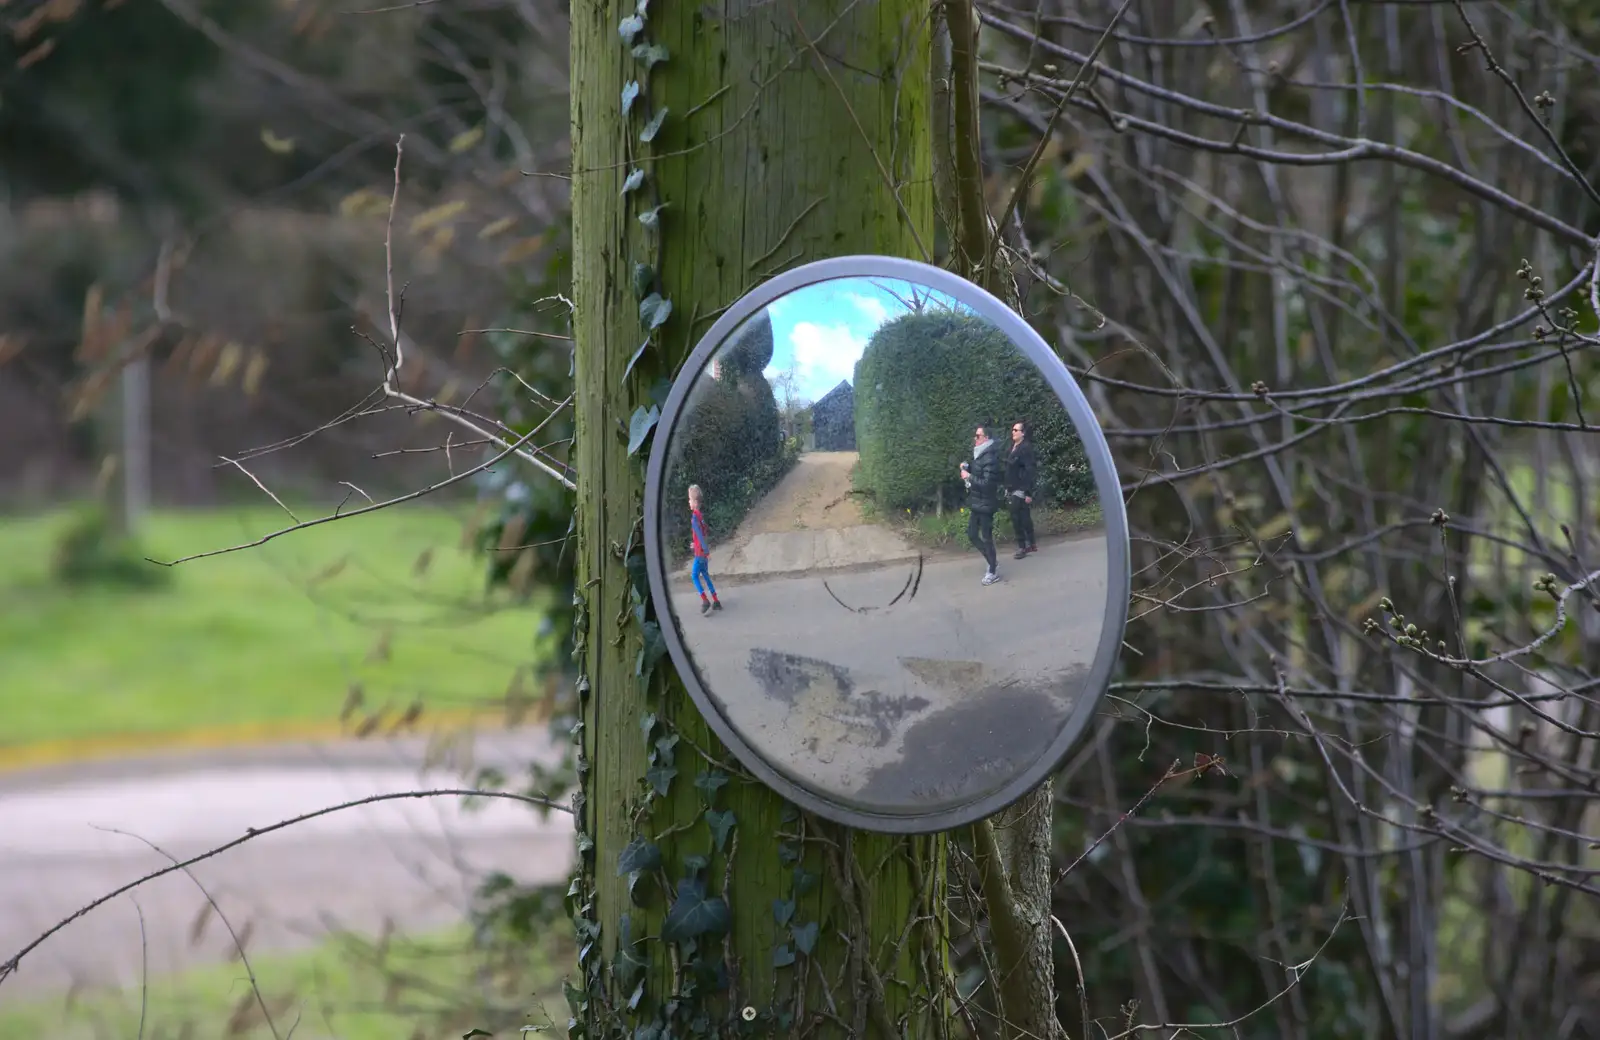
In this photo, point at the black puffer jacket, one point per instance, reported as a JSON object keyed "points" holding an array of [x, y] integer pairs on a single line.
{"points": [[1022, 471], [986, 475]]}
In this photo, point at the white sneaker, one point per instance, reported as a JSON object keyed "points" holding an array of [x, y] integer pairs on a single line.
{"points": [[990, 578]]}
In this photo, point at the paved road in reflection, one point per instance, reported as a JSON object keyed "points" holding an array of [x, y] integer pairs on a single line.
{"points": [[946, 693], [414, 862]]}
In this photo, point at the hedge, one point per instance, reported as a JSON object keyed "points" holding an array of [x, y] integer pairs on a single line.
{"points": [[728, 440], [750, 351], [925, 381]]}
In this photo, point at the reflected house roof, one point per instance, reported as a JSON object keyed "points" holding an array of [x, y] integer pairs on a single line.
{"points": [[841, 395], [833, 419]]}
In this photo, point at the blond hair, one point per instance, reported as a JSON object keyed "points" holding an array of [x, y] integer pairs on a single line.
{"points": [[694, 490]]}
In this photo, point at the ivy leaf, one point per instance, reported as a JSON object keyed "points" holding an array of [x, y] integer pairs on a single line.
{"points": [[475, 1032], [805, 937], [651, 218], [643, 276], [638, 576], [721, 824], [654, 311], [640, 854], [789, 814], [660, 778], [665, 748], [650, 54], [628, 965], [650, 654], [631, 26], [694, 863], [782, 911], [782, 957], [660, 391], [653, 127], [641, 7], [647, 723], [788, 854], [636, 895], [634, 359], [694, 914], [585, 844], [709, 783], [636, 996], [640, 425], [630, 94], [804, 881], [633, 180]]}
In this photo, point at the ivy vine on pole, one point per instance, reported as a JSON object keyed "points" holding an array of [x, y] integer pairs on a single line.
{"points": [[695, 915]]}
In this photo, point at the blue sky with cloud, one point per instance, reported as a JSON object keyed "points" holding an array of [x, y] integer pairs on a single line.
{"points": [[820, 331]]}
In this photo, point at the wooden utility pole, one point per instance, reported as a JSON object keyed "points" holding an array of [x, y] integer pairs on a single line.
{"points": [[715, 145]]}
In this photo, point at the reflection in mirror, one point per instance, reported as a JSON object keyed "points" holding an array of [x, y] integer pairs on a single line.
{"points": [[884, 546]]}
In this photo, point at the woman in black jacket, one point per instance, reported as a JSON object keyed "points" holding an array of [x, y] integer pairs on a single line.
{"points": [[983, 480], [1022, 472]]}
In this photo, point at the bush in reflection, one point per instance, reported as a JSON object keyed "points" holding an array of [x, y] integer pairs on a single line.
{"points": [[922, 384], [728, 440]]}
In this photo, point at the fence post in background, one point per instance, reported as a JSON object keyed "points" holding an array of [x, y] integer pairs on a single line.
{"points": [[135, 439]]}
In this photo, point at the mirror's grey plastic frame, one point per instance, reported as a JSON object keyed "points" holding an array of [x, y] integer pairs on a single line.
{"points": [[1118, 583]]}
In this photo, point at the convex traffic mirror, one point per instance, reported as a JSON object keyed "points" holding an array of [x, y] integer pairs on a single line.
{"points": [[887, 545]]}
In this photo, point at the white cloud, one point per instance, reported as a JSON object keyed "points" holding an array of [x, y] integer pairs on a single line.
{"points": [[825, 354], [870, 306]]}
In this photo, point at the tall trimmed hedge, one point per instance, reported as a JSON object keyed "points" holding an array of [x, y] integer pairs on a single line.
{"points": [[751, 349], [728, 440], [925, 381]]}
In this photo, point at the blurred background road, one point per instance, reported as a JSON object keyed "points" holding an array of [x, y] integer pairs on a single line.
{"points": [[408, 866]]}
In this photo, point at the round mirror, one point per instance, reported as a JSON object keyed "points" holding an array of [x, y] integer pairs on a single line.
{"points": [[886, 544]]}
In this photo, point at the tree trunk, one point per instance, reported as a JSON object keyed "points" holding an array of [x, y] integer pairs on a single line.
{"points": [[704, 904]]}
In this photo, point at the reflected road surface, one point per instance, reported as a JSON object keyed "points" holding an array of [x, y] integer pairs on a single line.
{"points": [[412, 862], [935, 699]]}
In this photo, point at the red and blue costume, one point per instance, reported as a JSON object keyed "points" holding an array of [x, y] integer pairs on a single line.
{"points": [[698, 569]]}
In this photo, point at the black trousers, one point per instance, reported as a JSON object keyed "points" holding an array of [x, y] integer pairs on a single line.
{"points": [[980, 532], [1021, 521]]}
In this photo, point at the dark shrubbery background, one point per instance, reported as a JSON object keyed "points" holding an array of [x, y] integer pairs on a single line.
{"points": [[728, 441], [922, 385]]}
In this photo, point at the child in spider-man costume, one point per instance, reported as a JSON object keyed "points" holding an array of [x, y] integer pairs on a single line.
{"points": [[700, 569]]}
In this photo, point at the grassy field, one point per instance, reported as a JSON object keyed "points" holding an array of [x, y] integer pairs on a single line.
{"points": [[276, 634], [347, 989]]}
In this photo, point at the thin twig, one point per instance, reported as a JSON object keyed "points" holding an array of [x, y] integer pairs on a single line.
{"points": [[238, 945], [1026, 175]]}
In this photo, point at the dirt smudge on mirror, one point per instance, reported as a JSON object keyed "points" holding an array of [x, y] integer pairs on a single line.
{"points": [[825, 702], [970, 749]]}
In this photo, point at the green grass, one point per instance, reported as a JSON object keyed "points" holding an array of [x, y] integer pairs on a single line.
{"points": [[949, 531], [274, 634], [412, 988]]}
